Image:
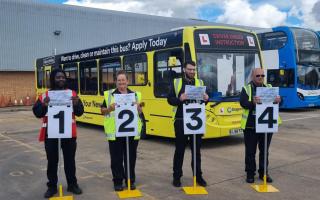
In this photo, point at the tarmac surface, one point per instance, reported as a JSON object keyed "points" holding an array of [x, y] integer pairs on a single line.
{"points": [[294, 162]]}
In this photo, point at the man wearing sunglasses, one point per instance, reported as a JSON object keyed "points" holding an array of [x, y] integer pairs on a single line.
{"points": [[248, 101]]}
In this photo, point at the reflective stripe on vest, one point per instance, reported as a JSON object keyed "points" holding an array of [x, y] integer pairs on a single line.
{"points": [[109, 120], [177, 87], [245, 113]]}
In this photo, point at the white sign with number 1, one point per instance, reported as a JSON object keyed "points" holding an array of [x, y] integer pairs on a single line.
{"points": [[59, 121]]}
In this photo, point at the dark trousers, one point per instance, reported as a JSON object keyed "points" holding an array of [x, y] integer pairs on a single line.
{"points": [[251, 140], [118, 155], [180, 143], [69, 146]]}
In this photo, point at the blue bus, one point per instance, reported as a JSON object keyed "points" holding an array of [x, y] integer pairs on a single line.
{"points": [[292, 59]]}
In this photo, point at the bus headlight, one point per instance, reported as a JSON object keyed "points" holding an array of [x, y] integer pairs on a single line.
{"points": [[300, 96]]}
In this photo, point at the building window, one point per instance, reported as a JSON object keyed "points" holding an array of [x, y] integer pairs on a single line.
{"points": [[136, 68], [71, 70], [88, 78], [108, 71], [163, 74]]}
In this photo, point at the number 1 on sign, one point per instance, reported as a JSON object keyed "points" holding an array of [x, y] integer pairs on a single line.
{"points": [[60, 116], [59, 122]]}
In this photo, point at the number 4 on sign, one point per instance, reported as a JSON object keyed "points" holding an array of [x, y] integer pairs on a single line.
{"points": [[267, 118]]}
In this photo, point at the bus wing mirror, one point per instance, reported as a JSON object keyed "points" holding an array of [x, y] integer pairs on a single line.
{"points": [[172, 61]]}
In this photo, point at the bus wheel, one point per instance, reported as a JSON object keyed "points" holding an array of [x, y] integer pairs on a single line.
{"points": [[144, 129]]}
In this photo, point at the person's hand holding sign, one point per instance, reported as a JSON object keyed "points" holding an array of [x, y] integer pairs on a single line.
{"points": [[205, 97], [277, 99], [183, 97], [46, 101], [75, 100], [256, 100]]}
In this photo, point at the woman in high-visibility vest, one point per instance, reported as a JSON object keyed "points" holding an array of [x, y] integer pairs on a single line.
{"points": [[117, 146], [68, 145]]}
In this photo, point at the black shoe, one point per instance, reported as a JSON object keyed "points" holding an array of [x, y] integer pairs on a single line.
{"points": [[176, 182], [201, 181], [250, 179], [50, 192], [132, 186], [269, 179], [118, 188], [75, 189]]}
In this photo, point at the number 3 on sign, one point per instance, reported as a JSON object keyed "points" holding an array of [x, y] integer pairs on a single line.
{"points": [[267, 118], [59, 121], [126, 120], [194, 119]]}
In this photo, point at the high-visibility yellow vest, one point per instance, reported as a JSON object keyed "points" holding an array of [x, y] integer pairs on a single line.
{"points": [[109, 120], [245, 113], [177, 82]]}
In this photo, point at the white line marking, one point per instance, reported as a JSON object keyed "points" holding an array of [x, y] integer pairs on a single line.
{"points": [[294, 119]]}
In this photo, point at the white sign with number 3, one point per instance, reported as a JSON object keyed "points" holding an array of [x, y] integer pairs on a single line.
{"points": [[126, 116], [194, 118], [267, 118], [59, 121]]}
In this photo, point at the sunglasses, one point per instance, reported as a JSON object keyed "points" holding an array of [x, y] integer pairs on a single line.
{"points": [[260, 75]]}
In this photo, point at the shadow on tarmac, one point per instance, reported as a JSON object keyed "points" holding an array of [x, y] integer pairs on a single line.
{"points": [[206, 143]]}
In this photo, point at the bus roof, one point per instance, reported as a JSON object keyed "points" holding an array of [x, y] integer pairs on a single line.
{"points": [[149, 43]]}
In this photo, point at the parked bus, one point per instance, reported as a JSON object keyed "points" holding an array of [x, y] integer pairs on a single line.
{"points": [[292, 59], [225, 57]]}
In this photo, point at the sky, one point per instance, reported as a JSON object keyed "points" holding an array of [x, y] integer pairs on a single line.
{"points": [[258, 13]]}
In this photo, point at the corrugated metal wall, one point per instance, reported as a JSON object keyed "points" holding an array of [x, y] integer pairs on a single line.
{"points": [[27, 30]]}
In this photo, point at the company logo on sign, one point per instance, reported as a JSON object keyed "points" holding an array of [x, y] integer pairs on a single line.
{"points": [[250, 41], [204, 39]]}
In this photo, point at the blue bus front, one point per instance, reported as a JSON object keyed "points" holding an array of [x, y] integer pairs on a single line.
{"points": [[292, 57]]}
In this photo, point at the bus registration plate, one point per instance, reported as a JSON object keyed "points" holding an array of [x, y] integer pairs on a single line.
{"points": [[235, 131]]}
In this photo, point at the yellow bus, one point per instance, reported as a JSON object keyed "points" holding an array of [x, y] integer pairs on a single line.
{"points": [[225, 57]]}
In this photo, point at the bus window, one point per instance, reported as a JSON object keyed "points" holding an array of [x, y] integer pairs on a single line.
{"points": [[308, 77], [88, 78], [40, 77], [281, 77], [164, 74], [71, 70], [136, 68], [47, 74], [108, 70], [273, 40], [225, 74]]}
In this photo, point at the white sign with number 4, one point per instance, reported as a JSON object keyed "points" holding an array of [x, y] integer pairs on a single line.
{"points": [[194, 118], [126, 116], [59, 121], [267, 118]]}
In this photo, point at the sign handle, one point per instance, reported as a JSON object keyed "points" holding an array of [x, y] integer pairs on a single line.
{"points": [[128, 165], [265, 159], [59, 167], [194, 162]]}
